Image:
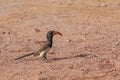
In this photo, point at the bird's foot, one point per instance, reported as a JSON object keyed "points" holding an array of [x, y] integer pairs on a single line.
{"points": [[43, 58]]}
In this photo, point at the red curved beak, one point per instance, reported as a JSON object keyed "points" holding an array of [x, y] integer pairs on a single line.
{"points": [[56, 32]]}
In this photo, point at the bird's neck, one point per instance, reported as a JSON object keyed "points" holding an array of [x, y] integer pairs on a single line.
{"points": [[50, 41]]}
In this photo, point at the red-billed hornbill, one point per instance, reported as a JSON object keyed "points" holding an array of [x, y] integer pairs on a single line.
{"points": [[45, 47]]}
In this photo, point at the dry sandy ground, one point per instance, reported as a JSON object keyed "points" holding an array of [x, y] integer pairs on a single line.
{"points": [[89, 49]]}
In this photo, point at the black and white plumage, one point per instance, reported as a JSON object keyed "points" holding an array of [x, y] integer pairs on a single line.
{"points": [[47, 45]]}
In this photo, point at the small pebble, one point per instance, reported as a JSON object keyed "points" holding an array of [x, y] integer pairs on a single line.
{"points": [[9, 33], [69, 40], [3, 32], [103, 5], [37, 30], [29, 39]]}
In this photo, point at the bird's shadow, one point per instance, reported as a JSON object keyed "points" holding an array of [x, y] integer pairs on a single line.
{"points": [[63, 58], [77, 56]]}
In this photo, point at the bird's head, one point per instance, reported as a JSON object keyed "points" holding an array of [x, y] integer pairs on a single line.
{"points": [[52, 33]]}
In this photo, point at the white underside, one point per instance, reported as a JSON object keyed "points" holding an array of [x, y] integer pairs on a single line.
{"points": [[42, 54]]}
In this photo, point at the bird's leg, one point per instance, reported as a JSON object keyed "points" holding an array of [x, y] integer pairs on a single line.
{"points": [[44, 58]]}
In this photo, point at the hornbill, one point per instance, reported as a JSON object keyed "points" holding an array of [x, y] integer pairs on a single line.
{"points": [[45, 47]]}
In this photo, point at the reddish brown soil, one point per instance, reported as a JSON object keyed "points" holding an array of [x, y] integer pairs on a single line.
{"points": [[89, 49]]}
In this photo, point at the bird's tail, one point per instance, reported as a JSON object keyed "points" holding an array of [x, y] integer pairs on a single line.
{"points": [[29, 54]]}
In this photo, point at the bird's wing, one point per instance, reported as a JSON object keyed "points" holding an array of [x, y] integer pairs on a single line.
{"points": [[44, 47], [38, 46]]}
